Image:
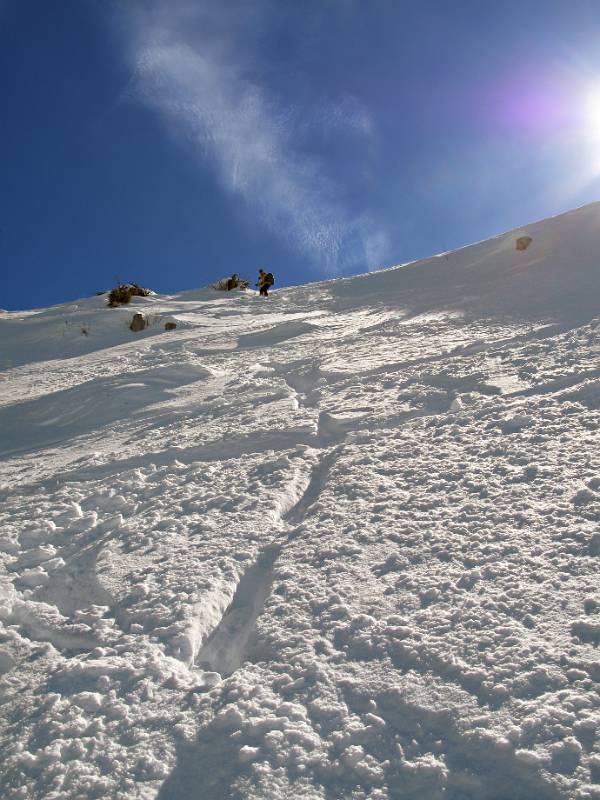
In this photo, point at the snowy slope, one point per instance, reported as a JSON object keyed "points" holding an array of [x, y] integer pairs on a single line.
{"points": [[340, 543]]}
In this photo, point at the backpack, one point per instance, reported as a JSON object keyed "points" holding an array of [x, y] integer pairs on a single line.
{"points": [[269, 279]]}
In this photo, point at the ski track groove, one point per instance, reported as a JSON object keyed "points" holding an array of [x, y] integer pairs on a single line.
{"points": [[227, 647], [310, 496]]}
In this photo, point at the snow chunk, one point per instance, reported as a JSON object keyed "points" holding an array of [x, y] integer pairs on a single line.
{"points": [[149, 768], [530, 758], [88, 701], [247, 753], [7, 598], [516, 423], [34, 577]]}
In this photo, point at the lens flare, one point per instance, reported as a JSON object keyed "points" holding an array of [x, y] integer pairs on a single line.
{"points": [[592, 113], [589, 124]]}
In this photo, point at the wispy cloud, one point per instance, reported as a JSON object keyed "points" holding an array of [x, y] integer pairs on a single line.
{"points": [[193, 64]]}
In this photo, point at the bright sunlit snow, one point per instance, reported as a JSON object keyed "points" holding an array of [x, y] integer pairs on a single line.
{"points": [[342, 542]]}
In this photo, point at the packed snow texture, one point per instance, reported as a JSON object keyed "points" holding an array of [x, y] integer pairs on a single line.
{"points": [[339, 543]]}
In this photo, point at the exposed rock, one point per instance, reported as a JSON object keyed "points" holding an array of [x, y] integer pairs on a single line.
{"points": [[138, 323], [523, 242], [227, 284], [170, 326]]}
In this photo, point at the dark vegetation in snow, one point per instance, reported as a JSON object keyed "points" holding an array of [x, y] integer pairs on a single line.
{"points": [[122, 294]]}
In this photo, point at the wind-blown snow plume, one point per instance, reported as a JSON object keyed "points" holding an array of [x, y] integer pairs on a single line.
{"points": [[193, 64]]}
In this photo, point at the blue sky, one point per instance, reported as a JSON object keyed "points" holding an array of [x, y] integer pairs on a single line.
{"points": [[171, 142]]}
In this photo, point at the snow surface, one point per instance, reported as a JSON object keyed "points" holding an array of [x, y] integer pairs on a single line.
{"points": [[339, 543]]}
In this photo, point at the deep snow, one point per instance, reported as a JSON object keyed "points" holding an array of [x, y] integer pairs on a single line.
{"points": [[340, 543]]}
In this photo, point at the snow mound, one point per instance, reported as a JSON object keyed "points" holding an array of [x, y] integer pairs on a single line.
{"points": [[558, 273]]}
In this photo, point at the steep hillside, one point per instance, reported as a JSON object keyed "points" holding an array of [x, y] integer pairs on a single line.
{"points": [[339, 543]]}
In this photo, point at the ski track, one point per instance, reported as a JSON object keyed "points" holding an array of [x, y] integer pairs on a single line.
{"points": [[310, 495], [229, 645]]}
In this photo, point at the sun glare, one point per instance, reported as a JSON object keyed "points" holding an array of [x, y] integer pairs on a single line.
{"points": [[589, 133], [592, 113]]}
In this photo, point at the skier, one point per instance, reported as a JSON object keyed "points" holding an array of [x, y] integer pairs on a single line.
{"points": [[265, 281]]}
